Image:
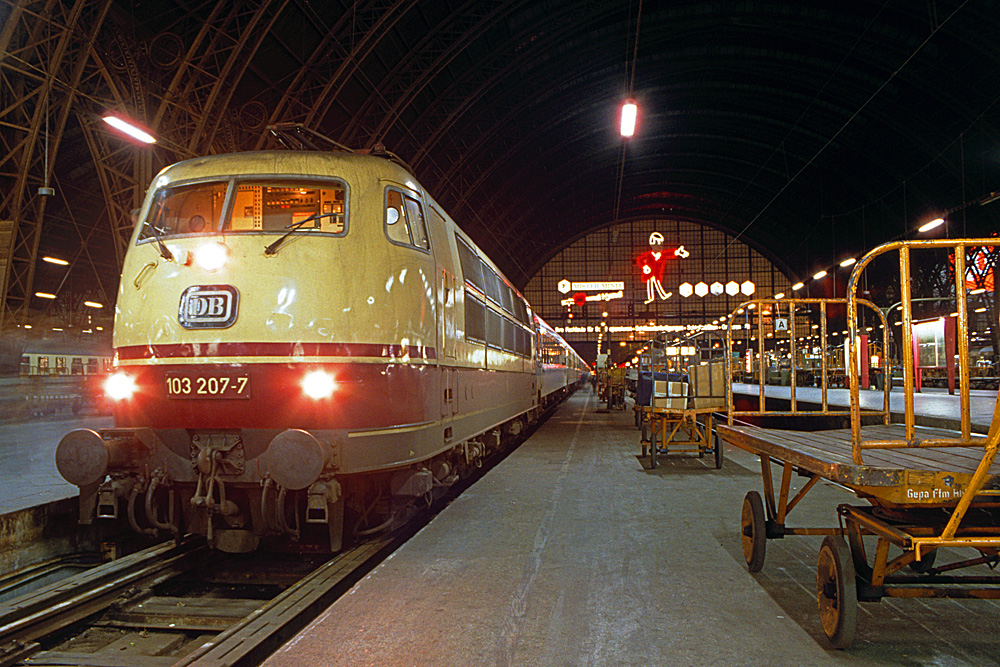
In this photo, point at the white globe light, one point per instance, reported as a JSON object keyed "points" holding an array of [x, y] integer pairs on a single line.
{"points": [[212, 256], [717, 288], [701, 289], [748, 288], [732, 288], [685, 289]]}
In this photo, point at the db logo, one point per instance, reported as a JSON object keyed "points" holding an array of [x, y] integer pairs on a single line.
{"points": [[208, 307]]}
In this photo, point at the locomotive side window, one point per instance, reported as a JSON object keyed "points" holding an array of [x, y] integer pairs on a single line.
{"points": [[418, 228], [475, 319], [404, 220], [395, 218], [472, 269]]}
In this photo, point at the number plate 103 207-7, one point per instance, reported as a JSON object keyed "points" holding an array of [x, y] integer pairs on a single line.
{"points": [[208, 385]]}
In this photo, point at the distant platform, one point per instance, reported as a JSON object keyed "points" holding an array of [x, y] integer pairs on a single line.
{"points": [[933, 407], [28, 475]]}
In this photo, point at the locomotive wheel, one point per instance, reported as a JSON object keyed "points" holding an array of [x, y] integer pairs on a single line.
{"points": [[720, 452], [754, 531], [837, 591]]}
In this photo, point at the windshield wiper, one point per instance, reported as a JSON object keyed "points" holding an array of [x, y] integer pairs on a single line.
{"points": [[292, 228], [164, 251]]}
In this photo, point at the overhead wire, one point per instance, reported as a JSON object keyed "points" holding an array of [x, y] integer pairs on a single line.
{"points": [[844, 126]]}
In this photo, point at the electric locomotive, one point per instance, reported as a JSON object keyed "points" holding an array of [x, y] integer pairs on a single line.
{"points": [[305, 345]]}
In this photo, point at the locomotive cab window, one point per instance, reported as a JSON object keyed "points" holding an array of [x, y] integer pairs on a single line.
{"points": [[404, 220], [185, 209], [273, 205], [282, 206]]}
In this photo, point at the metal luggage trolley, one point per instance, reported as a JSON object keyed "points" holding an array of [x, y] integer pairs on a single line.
{"points": [[612, 387], [679, 420], [927, 488]]}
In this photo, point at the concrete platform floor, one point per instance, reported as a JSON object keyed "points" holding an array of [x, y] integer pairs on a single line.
{"points": [[570, 553], [28, 475]]}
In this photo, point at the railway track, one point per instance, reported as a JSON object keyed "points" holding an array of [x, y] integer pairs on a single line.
{"points": [[179, 604]]}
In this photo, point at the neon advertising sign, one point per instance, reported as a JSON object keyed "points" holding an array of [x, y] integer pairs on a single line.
{"points": [[652, 264]]}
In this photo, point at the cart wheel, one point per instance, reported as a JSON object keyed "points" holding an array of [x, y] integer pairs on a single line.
{"points": [[644, 436], [754, 530], [837, 591], [924, 564], [720, 453], [653, 444]]}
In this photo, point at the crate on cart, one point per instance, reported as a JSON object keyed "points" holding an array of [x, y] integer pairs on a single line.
{"points": [[680, 387]]}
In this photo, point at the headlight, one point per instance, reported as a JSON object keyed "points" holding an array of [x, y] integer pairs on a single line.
{"points": [[212, 256], [318, 384], [119, 386]]}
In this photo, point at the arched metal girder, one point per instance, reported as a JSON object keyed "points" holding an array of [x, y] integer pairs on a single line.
{"points": [[410, 76], [193, 107], [320, 81], [331, 62], [44, 52], [190, 115], [444, 121]]}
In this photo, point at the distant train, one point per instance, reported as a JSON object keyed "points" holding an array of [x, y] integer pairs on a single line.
{"points": [[63, 362], [306, 346]]}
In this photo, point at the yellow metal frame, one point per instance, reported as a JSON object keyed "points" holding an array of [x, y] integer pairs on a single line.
{"points": [[959, 247], [685, 420], [916, 541], [792, 305]]}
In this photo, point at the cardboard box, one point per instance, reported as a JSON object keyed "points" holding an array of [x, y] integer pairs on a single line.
{"points": [[663, 388], [670, 402], [708, 384]]}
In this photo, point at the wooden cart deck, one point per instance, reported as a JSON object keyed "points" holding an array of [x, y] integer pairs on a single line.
{"points": [[904, 476]]}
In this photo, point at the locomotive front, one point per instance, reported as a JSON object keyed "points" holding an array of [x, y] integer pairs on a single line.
{"points": [[272, 306]]}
